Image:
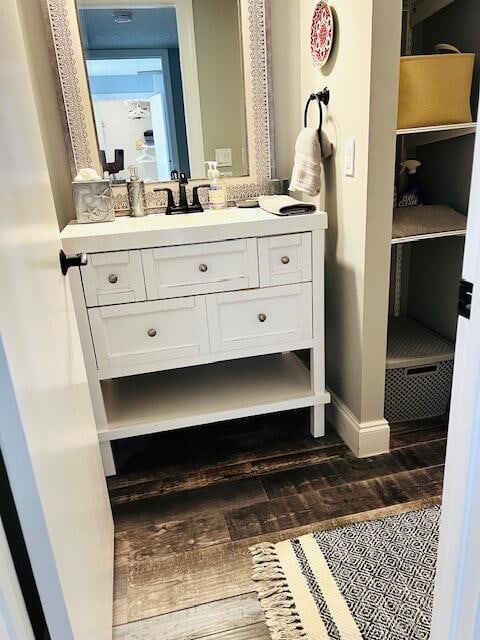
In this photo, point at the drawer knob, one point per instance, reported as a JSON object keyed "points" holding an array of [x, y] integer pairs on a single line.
{"points": [[152, 333], [113, 278], [203, 268], [262, 317], [285, 260]]}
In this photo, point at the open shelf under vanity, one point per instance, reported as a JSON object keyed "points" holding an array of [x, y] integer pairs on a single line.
{"points": [[204, 394]]}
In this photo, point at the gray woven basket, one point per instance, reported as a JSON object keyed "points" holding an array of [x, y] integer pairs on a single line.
{"points": [[419, 372]]}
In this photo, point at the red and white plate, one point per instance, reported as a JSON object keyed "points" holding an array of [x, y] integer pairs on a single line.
{"points": [[321, 39]]}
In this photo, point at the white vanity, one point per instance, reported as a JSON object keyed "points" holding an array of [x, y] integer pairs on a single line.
{"points": [[192, 319]]}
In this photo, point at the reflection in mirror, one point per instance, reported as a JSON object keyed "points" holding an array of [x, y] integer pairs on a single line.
{"points": [[166, 84]]}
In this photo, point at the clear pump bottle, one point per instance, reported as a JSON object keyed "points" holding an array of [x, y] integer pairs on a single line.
{"points": [[217, 194]]}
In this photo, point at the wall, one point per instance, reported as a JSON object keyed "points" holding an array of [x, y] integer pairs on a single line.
{"points": [[44, 86], [220, 78], [362, 75]]}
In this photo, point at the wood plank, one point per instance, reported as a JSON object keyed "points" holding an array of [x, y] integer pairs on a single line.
{"points": [[161, 540], [203, 458], [218, 445], [301, 509], [187, 504], [184, 580], [120, 594], [350, 469], [224, 444], [409, 438], [253, 632], [215, 618], [120, 611], [208, 477], [418, 425]]}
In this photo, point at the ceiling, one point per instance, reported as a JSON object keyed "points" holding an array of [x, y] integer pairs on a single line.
{"points": [[151, 28]]}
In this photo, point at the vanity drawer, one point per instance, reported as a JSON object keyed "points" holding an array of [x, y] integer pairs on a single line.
{"points": [[248, 319], [285, 259], [113, 278], [200, 268], [136, 334]]}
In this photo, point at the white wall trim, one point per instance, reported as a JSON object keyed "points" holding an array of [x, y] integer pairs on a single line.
{"points": [[363, 438]]}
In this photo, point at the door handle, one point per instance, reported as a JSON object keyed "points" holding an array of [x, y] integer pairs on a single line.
{"points": [[78, 260]]}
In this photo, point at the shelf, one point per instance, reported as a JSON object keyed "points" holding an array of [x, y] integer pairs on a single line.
{"points": [[426, 135], [411, 344], [411, 224], [204, 394]]}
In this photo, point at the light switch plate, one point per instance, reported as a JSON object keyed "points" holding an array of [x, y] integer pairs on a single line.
{"points": [[223, 157], [350, 157]]}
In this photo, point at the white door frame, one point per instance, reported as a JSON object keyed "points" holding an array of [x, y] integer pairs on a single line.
{"points": [[456, 613], [14, 620], [188, 65]]}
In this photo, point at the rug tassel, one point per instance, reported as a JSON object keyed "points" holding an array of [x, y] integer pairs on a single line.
{"points": [[274, 595]]}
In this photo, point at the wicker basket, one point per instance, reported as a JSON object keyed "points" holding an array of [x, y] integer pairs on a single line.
{"points": [[435, 89]]}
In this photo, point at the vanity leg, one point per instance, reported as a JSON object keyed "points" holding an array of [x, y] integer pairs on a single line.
{"points": [[317, 421], [107, 459]]}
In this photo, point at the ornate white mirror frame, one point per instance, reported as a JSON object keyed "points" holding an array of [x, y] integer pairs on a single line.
{"points": [[77, 110]]}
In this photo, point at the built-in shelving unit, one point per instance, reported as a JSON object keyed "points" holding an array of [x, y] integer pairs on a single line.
{"points": [[424, 276], [180, 398], [417, 137], [411, 224]]}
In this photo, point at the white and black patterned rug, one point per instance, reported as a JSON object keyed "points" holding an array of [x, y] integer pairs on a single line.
{"points": [[367, 581]]}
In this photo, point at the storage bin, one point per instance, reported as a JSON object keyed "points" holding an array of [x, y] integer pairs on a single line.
{"points": [[435, 89], [419, 372]]}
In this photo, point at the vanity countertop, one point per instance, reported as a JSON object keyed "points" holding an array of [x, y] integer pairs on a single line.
{"points": [[161, 230]]}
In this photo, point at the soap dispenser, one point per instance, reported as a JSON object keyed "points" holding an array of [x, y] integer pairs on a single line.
{"points": [[217, 193], [136, 194]]}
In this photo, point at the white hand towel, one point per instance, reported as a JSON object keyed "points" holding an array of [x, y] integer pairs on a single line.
{"points": [[308, 162], [284, 205]]}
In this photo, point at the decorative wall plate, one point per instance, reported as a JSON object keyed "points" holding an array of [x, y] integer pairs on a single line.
{"points": [[321, 39]]}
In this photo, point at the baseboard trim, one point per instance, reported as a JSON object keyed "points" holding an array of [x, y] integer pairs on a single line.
{"points": [[363, 438]]}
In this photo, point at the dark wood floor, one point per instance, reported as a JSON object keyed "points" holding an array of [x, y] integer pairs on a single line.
{"points": [[188, 504]]}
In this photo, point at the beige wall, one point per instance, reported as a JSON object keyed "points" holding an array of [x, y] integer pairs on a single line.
{"points": [[363, 106], [44, 87], [220, 75]]}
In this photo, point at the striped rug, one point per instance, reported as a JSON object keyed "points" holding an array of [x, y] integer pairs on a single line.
{"points": [[367, 581]]}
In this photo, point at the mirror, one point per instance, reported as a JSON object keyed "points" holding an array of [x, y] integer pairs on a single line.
{"points": [[241, 91], [166, 85]]}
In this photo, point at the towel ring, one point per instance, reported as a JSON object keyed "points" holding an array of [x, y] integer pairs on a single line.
{"points": [[322, 97]]}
